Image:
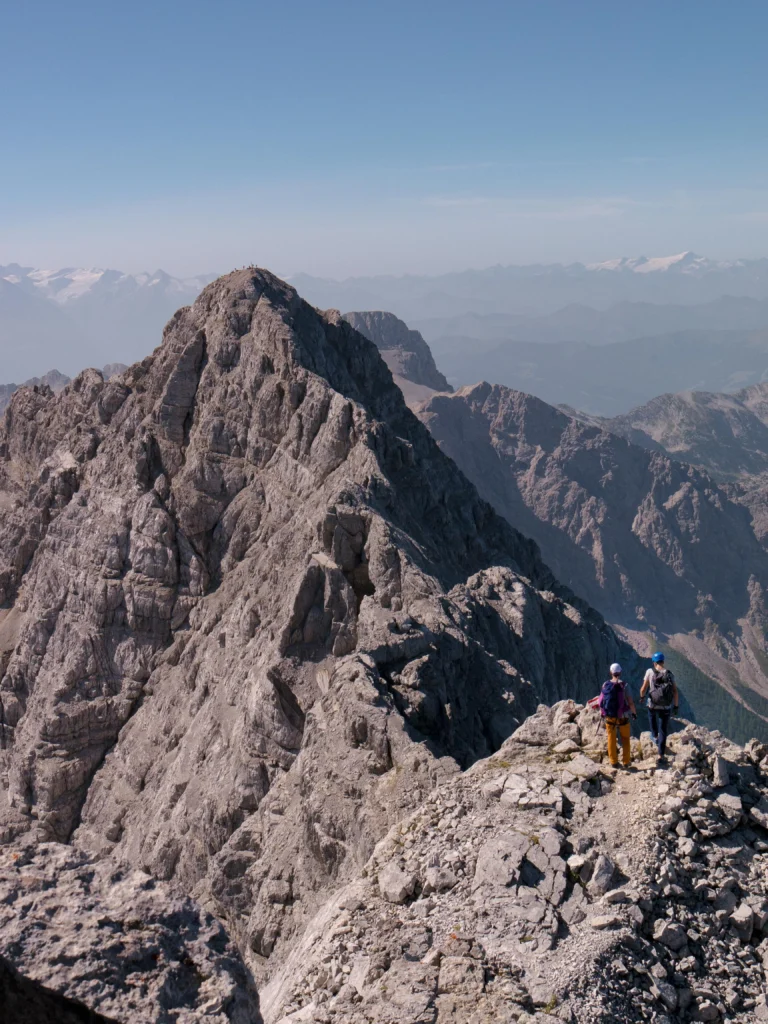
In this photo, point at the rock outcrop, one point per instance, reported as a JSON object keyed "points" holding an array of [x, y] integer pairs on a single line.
{"points": [[250, 613], [653, 543], [545, 886], [53, 379], [114, 938], [404, 351], [32, 1003]]}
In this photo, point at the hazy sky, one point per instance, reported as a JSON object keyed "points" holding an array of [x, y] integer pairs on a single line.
{"points": [[360, 137]]}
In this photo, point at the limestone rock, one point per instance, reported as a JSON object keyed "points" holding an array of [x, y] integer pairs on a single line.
{"points": [[521, 917], [669, 934], [28, 1002], [245, 599], [395, 885], [603, 921], [720, 774], [602, 875], [743, 920], [263, 645]]}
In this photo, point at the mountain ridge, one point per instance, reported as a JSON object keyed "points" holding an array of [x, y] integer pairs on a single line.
{"points": [[654, 543], [249, 611]]}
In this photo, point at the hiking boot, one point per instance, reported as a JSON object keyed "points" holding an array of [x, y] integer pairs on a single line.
{"points": [[629, 768]]}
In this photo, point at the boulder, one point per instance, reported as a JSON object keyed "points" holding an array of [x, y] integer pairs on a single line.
{"points": [[583, 767], [396, 885], [460, 975], [720, 774], [438, 879], [602, 876], [670, 934], [603, 921], [743, 921], [499, 861], [536, 730]]}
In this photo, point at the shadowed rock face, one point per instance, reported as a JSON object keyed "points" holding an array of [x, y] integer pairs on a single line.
{"points": [[648, 540], [24, 1000], [404, 351], [250, 612], [115, 939]]}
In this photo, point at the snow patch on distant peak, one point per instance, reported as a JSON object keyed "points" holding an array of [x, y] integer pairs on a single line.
{"points": [[64, 285], [685, 262], [662, 263], [73, 283]]}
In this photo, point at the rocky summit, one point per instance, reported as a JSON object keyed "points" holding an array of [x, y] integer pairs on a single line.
{"points": [[250, 617], [404, 351]]}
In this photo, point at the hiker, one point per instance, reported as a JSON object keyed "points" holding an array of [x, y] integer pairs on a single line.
{"points": [[615, 704], [663, 701]]}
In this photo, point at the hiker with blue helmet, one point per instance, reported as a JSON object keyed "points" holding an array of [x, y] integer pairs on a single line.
{"points": [[616, 705], [663, 701]]}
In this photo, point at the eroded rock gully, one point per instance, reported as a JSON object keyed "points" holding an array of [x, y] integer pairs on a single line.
{"points": [[250, 616]]}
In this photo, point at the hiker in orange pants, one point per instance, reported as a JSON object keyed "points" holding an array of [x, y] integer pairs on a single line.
{"points": [[616, 705]]}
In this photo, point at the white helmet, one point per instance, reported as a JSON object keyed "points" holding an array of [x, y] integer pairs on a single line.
{"points": [[616, 669]]}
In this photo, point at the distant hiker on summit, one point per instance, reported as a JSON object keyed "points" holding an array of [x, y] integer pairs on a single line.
{"points": [[663, 701], [616, 705]]}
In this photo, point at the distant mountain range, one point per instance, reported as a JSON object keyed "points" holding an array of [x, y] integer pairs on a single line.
{"points": [[663, 549], [726, 435], [78, 317], [652, 542], [602, 338], [610, 379], [540, 289], [625, 321]]}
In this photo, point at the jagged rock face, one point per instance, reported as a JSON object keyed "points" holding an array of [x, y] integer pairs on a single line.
{"points": [[53, 379], [250, 613], [404, 351], [648, 540], [726, 435]]}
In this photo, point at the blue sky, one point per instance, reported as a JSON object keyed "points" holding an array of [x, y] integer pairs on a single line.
{"points": [[341, 138]]}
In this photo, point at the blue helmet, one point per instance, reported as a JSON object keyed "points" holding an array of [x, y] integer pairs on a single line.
{"points": [[658, 656]]}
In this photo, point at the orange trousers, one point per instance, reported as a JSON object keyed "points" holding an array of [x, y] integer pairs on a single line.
{"points": [[622, 727]]}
